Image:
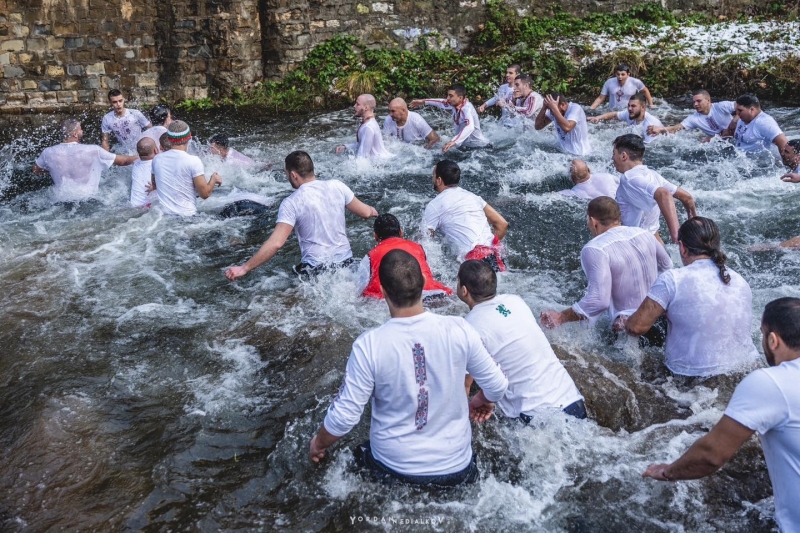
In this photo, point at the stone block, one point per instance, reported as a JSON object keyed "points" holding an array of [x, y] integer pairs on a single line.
{"points": [[70, 43], [303, 40], [15, 98], [24, 58], [361, 9], [15, 17], [70, 84], [382, 7], [64, 28], [200, 51], [83, 56], [29, 85], [35, 97], [95, 69], [294, 55], [107, 26], [13, 71], [20, 30], [85, 97], [147, 80], [5, 59], [317, 24], [90, 83], [41, 29], [54, 71], [67, 97], [130, 54], [332, 23], [55, 44], [36, 45], [51, 97], [75, 70], [185, 24], [3, 30], [200, 93], [14, 45]]}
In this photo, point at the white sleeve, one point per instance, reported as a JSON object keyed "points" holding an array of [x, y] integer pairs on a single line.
{"points": [[437, 102], [105, 157], [353, 147], [105, 125], [573, 114], [663, 290], [141, 119], [431, 217], [372, 138], [364, 274], [598, 293], [606, 88], [347, 193], [469, 127], [690, 122], [287, 214], [758, 403], [359, 381], [727, 106], [770, 129], [389, 126], [483, 368], [623, 115], [663, 259], [422, 126], [491, 101], [41, 161], [197, 167], [639, 84]]}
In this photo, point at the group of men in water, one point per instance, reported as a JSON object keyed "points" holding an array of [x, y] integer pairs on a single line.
{"points": [[418, 355]]}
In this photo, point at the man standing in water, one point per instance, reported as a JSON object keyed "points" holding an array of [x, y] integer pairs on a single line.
{"points": [[620, 88], [75, 167], [589, 185], [527, 102], [711, 119], [569, 119], [754, 130], [315, 210], [369, 142], [635, 115], [767, 401], [505, 96], [161, 118], [126, 124], [408, 126], [790, 153], [416, 354], [142, 174], [468, 128]]}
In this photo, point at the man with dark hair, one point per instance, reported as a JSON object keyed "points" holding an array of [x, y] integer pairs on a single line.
{"points": [[636, 115], [527, 102], [126, 124], [468, 128], [389, 235], [620, 88], [415, 355], [620, 264], [643, 193], [369, 141], [219, 145], [408, 126], [505, 96], [754, 130], [767, 401], [536, 378], [711, 119], [75, 167], [589, 185], [161, 118], [315, 211], [569, 119], [163, 142], [472, 227]]}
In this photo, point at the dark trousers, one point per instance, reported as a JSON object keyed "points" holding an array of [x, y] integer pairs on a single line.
{"points": [[306, 271], [576, 409], [243, 208]]}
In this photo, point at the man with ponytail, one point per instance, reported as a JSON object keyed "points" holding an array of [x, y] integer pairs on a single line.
{"points": [[708, 306]]}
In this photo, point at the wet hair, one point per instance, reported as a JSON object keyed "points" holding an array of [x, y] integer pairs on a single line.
{"points": [[459, 89], [748, 100], [782, 317], [516, 66], [300, 162], [631, 144], [558, 97], [640, 97], [159, 114], [703, 92], [145, 147], [525, 79], [605, 210], [448, 171], [479, 278], [623, 67], [401, 278], [700, 236], [68, 127], [795, 143], [220, 139], [114, 92], [163, 142], [386, 225]]}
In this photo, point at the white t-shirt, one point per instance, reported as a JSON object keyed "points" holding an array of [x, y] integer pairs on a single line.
{"points": [[505, 93], [369, 142], [598, 184], [536, 378], [709, 322], [768, 401], [635, 197], [154, 133], [140, 176], [575, 142], [758, 134], [316, 211], [127, 128], [75, 169], [414, 370], [175, 171], [649, 120], [468, 127], [414, 130], [620, 265], [238, 159], [715, 122], [459, 215], [618, 97]]}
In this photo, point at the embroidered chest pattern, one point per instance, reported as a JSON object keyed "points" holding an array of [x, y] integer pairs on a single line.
{"points": [[420, 376]]}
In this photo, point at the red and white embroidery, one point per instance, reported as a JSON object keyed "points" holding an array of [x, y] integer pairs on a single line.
{"points": [[420, 376]]}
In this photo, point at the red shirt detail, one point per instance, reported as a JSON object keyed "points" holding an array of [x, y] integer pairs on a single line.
{"points": [[373, 289]]}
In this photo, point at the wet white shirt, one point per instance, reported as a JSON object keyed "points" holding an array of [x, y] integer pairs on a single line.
{"points": [[529, 106], [414, 370], [709, 322], [154, 133], [141, 174], [618, 97], [620, 265], [175, 171], [536, 378], [369, 142], [468, 128], [75, 169], [575, 142], [635, 197], [715, 122], [316, 211], [459, 215], [505, 93], [598, 184], [238, 159], [649, 120], [127, 128], [768, 401], [414, 130], [757, 135]]}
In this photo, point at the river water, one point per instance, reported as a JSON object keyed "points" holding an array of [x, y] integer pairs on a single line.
{"points": [[140, 390]]}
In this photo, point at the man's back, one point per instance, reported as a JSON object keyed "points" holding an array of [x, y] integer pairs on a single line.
{"points": [[598, 184], [635, 196], [459, 215], [140, 177], [415, 129], [75, 168], [175, 171]]}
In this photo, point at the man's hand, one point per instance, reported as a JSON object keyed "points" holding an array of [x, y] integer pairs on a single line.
{"points": [[657, 472], [480, 409], [316, 452], [447, 146], [791, 177], [594, 120], [340, 149], [619, 324], [550, 103], [482, 108], [656, 130], [216, 179], [233, 273], [148, 187], [416, 104], [551, 318]]}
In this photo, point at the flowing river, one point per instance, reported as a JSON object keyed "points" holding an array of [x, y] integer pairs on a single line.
{"points": [[140, 390]]}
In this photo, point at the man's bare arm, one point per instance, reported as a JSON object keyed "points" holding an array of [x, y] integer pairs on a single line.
{"points": [[688, 202], [496, 221], [105, 143], [649, 97], [605, 116], [541, 119], [38, 170], [666, 204], [643, 318], [598, 101], [431, 139], [205, 188], [267, 251], [321, 442], [359, 208], [780, 141], [658, 130], [125, 160]]}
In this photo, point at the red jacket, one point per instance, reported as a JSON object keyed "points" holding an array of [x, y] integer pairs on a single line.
{"points": [[373, 289]]}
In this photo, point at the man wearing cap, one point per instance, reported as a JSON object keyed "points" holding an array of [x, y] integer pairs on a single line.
{"points": [[179, 177]]}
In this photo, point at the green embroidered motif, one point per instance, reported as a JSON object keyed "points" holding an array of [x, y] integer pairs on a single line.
{"points": [[502, 310]]}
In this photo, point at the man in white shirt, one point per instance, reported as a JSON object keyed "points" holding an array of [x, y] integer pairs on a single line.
{"points": [[468, 128], [472, 228], [179, 177], [413, 367], [768, 402], [219, 145], [408, 126], [369, 142], [790, 154], [589, 185], [536, 378], [754, 130], [711, 119], [161, 118], [504, 96], [126, 124], [75, 167], [620, 88], [643, 194], [141, 174], [620, 263], [636, 115], [527, 102], [315, 210], [569, 119]]}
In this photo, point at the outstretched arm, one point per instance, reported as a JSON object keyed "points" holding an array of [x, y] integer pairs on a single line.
{"points": [[688, 202], [496, 221], [598, 101], [643, 319], [658, 130], [649, 97], [321, 442], [357, 207], [264, 254], [605, 116], [667, 206], [431, 139], [552, 319], [125, 160], [205, 188]]}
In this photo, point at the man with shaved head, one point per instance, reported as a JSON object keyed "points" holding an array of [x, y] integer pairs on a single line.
{"points": [[711, 119], [588, 185], [369, 142], [408, 126], [141, 195]]}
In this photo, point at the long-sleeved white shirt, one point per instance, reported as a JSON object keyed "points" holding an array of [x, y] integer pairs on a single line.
{"points": [[414, 368], [369, 141], [468, 127], [505, 93]]}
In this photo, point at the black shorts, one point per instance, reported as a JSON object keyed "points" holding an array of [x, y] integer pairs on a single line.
{"points": [[306, 271]]}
